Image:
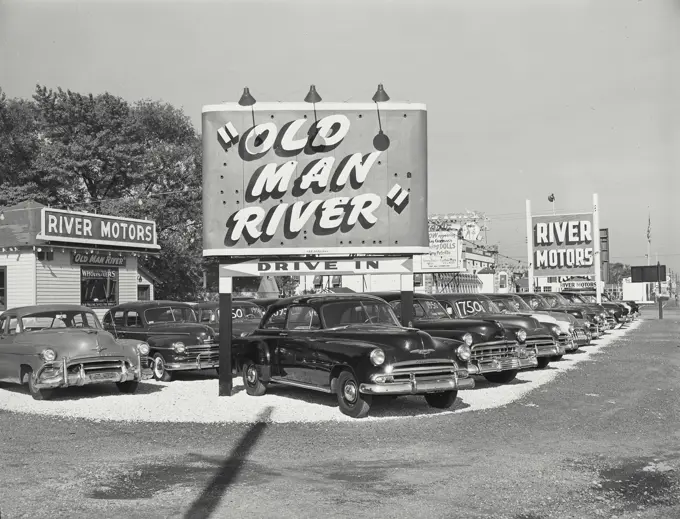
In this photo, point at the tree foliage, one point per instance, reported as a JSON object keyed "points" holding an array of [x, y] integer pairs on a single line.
{"points": [[617, 272], [102, 153]]}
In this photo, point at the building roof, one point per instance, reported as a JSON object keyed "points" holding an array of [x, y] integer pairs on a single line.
{"points": [[21, 224]]}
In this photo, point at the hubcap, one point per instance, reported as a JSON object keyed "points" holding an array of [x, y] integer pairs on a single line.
{"points": [[159, 368], [251, 374], [350, 392]]}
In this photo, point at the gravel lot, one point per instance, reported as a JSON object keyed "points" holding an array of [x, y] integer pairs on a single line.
{"points": [[194, 398], [602, 440]]}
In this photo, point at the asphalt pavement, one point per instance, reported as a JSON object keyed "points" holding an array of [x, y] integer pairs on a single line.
{"points": [[602, 440]]}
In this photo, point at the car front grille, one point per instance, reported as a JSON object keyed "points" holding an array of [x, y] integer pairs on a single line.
{"points": [[423, 369], [488, 351], [543, 340], [97, 365]]}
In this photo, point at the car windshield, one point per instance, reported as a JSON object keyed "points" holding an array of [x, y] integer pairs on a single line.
{"points": [[429, 309], [522, 306], [170, 314], [249, 312], [60, 319], [468, 307], [357, 312], [556, 300], [588, 298], [506, 305]]}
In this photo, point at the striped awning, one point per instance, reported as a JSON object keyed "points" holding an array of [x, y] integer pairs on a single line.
{"points": [[458, 282]]}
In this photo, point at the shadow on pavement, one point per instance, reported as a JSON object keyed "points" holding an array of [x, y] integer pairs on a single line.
{"points": [[211, 495]]}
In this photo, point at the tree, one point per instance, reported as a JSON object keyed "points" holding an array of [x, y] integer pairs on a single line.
{"points": [[99, 152], [618, 271]]}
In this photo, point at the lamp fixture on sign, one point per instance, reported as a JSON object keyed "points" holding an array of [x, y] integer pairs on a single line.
{"points": [[2, 215], [381, 141], [248, 100], [313, 97]]}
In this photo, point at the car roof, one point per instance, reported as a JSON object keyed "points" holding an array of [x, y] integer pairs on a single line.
{"points": [[391, 295], [216, 304], [310, 299], [143, 305], [21, 311], [459, 295]]}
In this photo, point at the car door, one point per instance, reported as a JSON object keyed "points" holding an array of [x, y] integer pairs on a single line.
{"points": [[132, 326], [5, 342], [296, 351]]}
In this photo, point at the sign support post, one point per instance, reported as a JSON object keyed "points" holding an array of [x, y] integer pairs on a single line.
{"points": [[596, 248], [658, 295], [407, 300], [225, 377], [530, 247]]}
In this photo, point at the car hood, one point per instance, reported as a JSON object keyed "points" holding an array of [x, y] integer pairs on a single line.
{"points": [[73, 343], [399, 344], [485, 329], [194, 329], [522, 321]]}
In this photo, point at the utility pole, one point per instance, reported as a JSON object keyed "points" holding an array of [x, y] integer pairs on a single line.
{"points": [[658, 295]]}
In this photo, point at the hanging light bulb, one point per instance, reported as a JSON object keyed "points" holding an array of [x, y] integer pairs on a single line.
{"points": [[2, 215], [246, 98]]}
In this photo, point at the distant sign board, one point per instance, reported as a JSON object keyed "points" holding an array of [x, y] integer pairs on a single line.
{"points": [[648, 274], [84, 258], [444, 253], [563, 244], [301, 179], [570, 285], [321, 267], [96, 229]]}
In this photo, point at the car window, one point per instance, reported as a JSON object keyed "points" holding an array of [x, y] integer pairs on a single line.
{"points": [[107, 320], [3, 322], [206, 315], [275, 319], [169, 314], [302, 318], [358, 312], [13, 326], [59, 319], [521, 304], [133, 319], [118, 318]]}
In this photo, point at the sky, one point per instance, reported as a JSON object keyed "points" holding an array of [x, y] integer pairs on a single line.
{"points": [[525, 98]]}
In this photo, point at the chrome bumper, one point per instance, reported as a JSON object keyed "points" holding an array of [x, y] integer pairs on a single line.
{"points": [[545, 350], [418, 387], [64, 379], [190, 365], [476, 367]]}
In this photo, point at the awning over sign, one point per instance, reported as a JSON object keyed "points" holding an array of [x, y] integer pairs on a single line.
{"points": [[458, 282]]}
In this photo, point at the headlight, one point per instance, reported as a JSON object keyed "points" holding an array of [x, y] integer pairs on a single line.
{"points": [[555, 329], [377, 357], [467, 339], [604, 315], [521, 335], [571, 328], [178, 347], [611, 311], [245, 334], [143, 348], [463, 352], [48, 355]]}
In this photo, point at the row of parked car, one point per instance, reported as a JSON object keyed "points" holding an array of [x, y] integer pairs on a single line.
{"points": [[350, 345]]}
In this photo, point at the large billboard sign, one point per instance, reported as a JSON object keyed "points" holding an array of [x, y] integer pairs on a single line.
{"points": [[563, 244], [301, 179], [96, 229], [445, 254]]}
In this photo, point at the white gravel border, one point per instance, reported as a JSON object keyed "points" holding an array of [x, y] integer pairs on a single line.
{"points": [[195, 400]]}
